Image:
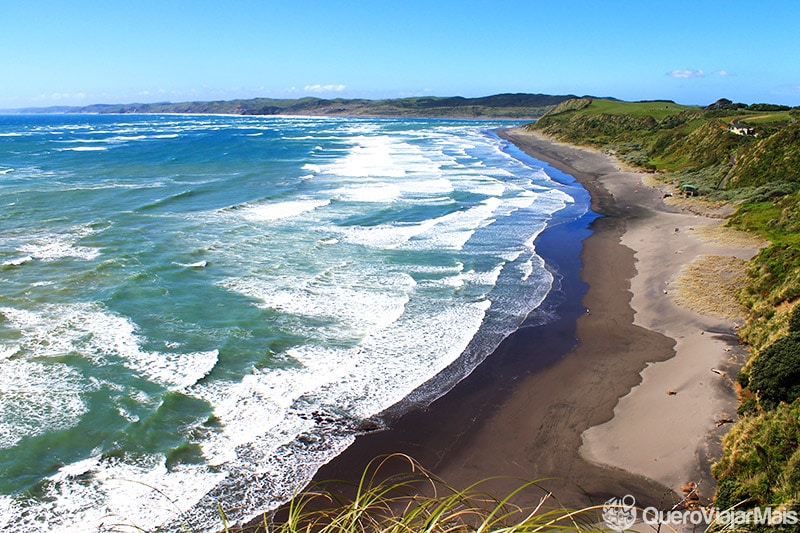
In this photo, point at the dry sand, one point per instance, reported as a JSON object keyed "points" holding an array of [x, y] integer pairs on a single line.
{"points": [[671, 438]]}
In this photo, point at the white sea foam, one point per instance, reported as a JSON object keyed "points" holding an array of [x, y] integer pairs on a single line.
{"points": [[17, 261], [124, 138], [386, 236], [197, 264], [430, 269], [335, 375], [37, 398], [105, 338], [174, 370], [432, 186], [371, 192], [381, 156], [354, 302], [84, 149], [449, 232], [6, 506], [77, 468], [257, 409], [526, 269], [372, 156], [485, 279], [112, 495], [7, 352], [265, 212], [454, 230], [116, 139], [394, 360], [53, 246], [484, 185], [272, 408]]}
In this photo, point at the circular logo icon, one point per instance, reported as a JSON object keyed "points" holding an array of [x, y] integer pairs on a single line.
{"points": [[619, 514]]}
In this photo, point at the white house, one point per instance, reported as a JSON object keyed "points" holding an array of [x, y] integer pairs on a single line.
{"points": [[741, 129]]}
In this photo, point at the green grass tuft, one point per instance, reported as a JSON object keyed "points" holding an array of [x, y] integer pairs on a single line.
{"points": [[416, 501]]}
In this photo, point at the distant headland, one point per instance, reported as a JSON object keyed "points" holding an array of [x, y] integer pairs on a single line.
{"points": [[506, 106]]}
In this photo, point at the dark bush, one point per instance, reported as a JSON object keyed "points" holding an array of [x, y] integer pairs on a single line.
{"points": [[730, 494], [743, 378], [772, 190], [768, 107], [794, 320], [775, 373], [749, 406]]}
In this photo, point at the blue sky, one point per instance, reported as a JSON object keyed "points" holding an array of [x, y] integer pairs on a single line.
{"points": [[113, 51]]}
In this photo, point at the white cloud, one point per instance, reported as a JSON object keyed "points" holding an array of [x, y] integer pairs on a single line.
{"points": [[57, 97], [686, 73], [324, 88], [722, 73]]}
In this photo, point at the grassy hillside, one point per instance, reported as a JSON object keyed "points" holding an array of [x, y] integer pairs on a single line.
{"points": [[695, 145], [760, 171]]}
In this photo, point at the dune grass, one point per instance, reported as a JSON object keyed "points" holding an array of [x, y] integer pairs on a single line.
{"points": [[416, 501], [711, 285]]}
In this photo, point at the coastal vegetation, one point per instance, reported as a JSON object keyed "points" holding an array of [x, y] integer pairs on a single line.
{"points": [[748, 155], [418, 501]]}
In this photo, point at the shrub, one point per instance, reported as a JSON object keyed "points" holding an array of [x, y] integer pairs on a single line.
{"points": [[772, 191], [759, 464], [794, 320], [775, 373], [768, 107], [749, 406], [743, 378], [730, 493]]}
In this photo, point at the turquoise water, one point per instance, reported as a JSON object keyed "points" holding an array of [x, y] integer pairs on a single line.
{"points": [[200, 311]]}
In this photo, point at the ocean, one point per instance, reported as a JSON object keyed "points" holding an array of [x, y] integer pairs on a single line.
{"points": [[196, 312]]}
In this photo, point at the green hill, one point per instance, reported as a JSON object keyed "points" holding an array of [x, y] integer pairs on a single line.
{"points": [[697, 144], [510, 106]]}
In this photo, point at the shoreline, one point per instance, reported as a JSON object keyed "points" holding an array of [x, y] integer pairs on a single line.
{"points": [[567, 400], [666, 428]]}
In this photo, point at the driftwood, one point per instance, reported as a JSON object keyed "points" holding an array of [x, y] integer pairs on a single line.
{"points": [[692, 498]]}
